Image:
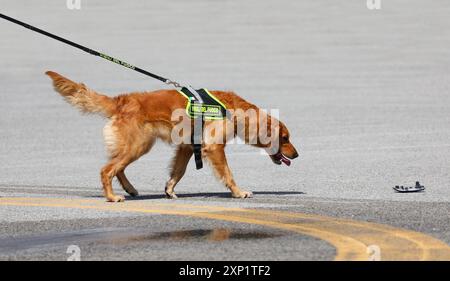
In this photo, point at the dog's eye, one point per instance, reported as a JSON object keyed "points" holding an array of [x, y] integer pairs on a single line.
{"points": [[285, 139]]}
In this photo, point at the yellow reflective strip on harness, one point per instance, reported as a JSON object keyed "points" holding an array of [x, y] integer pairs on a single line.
{"points": [[188, 104], [196, 110], [214, 97]]}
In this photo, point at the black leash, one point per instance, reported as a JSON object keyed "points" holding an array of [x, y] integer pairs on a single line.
{"points": [[197, 134], [92, 52]]}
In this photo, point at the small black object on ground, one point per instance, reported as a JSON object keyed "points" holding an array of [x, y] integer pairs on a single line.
{"points": [[405, 189]]}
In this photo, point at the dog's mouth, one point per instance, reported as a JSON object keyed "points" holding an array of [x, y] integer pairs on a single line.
{"points": [[279, 158]]}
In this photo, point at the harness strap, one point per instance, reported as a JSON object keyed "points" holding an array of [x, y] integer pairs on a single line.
{"points": [[196, 139], [201, 106], [197, 134], [196, 95]]}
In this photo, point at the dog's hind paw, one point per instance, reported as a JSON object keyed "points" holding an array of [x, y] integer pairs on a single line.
{"points": [[171, 195], [242, 194], [116, 198]]}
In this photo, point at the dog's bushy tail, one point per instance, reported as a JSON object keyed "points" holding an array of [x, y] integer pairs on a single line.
{"points": [[83, 98]]}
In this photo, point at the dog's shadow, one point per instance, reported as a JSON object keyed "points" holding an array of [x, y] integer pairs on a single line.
{"points": [[211, 195]]}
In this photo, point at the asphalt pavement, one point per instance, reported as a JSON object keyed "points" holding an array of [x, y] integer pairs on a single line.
{"points": [[363, 92]]}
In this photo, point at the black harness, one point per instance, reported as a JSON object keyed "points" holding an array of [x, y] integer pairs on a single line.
{"points": [[201, 106]]}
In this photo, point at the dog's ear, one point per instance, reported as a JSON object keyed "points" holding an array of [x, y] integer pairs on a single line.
{"points": [[283, 133]]}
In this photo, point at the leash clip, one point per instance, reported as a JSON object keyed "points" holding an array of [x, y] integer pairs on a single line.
{"points": [[174, 83]]}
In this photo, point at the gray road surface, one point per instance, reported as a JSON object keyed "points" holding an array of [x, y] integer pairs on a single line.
{"points": [[364, 93]]}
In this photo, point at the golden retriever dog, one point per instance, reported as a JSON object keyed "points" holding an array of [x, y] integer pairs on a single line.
{"points": [[137, 120]]}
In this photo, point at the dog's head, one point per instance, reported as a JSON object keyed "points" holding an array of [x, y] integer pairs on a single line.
{"points": [[282, 150], [279, 146], [266, 132]]}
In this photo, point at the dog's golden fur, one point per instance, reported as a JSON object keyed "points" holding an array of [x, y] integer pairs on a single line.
{"points": [[136, 120]]}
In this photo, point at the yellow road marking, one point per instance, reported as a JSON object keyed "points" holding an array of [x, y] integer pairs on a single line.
{"points": [[347, 247], [350, 238]]}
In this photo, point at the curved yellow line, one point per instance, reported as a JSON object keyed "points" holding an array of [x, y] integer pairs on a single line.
{"points": [[343, 234], [430, 247], [347, 248]]}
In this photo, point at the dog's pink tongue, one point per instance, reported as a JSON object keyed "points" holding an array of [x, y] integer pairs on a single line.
{"points": [[285, 160]]}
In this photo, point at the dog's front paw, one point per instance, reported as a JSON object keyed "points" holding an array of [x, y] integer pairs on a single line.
{"points": [[242, 194], [115, 198]]}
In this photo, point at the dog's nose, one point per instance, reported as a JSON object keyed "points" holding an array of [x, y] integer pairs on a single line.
{"points": [[295, 155]]}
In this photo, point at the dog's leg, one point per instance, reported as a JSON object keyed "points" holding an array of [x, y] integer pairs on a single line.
{"points": [[215, 153], [117, 168], [123, 150], [108, 173], [178, 168], [125, 183]]}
